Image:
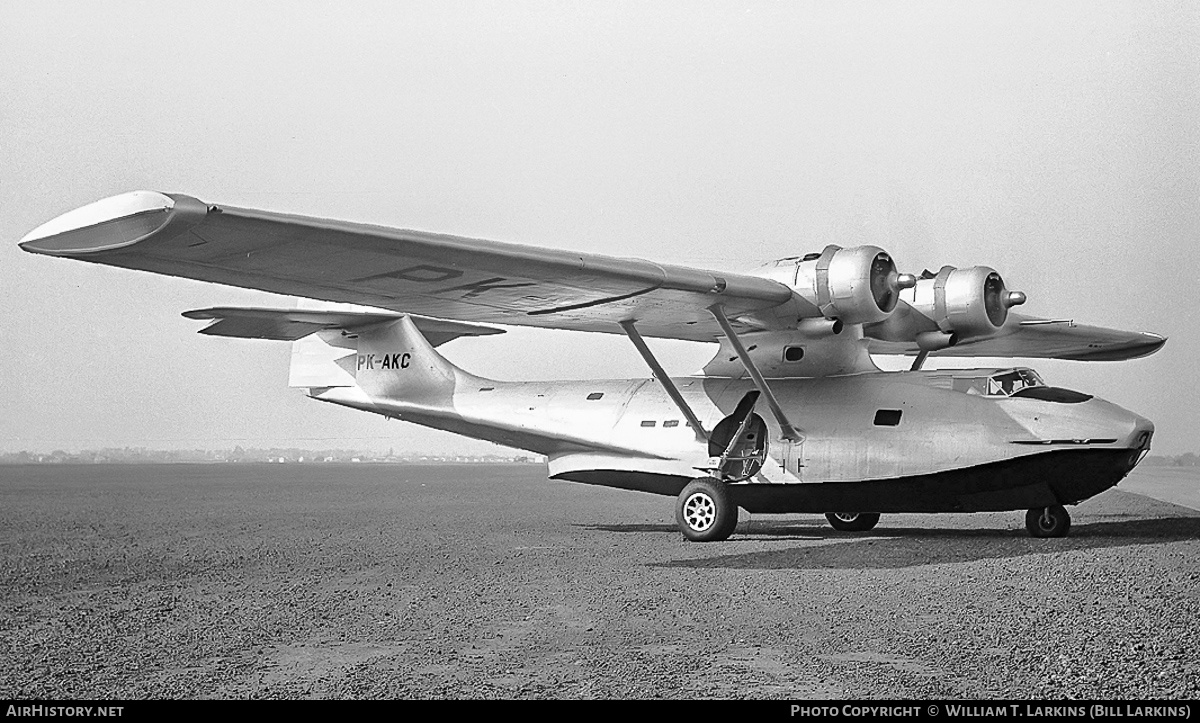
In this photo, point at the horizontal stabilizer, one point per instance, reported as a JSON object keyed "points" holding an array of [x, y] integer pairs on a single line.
{"points": [[293, 324]]}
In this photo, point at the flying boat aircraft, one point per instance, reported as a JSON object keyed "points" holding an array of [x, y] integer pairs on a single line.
{"points": [[790, 416]]}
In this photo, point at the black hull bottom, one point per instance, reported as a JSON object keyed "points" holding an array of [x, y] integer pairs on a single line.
{"points": [[1062, 477]]}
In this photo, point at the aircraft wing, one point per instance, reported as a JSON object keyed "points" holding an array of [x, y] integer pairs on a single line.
{"points": [[1034, 338], [405, 271], [472, 280]]}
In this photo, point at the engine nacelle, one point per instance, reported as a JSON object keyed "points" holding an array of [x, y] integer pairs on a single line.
{"points": [[965, 302], [857, 285]]}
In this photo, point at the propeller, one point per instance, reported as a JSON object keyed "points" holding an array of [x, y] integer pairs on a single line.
{"points": [[886, 282], [997, 300]]}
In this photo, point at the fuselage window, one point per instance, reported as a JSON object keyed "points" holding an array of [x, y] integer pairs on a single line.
{"points": [[594, 396], [648, 423], [671, 423], [887, 417], [793, 353]]}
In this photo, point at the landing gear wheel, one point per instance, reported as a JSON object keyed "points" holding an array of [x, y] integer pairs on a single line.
{"points": [[705, 512], [852, 521], [1052, 521]]}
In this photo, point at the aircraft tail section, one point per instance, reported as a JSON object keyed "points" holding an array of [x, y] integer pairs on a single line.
{"points": [[327, 358], [387, 360], [395, 361], [384, 353]]}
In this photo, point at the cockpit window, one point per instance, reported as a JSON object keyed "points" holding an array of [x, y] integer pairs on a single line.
{"points": [[1007, 384]]}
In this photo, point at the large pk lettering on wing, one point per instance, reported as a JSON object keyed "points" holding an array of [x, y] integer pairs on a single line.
{"points": [[429, 274]]}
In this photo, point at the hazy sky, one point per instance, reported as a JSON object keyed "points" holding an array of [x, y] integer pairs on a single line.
{"points": [[1056, 142]]}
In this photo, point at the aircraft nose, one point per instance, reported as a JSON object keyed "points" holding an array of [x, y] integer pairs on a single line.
{"points": [[1138, 441], [1143, 430]]}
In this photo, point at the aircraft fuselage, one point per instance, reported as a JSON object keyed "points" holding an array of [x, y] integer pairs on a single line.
{"points": [[932, 441]]}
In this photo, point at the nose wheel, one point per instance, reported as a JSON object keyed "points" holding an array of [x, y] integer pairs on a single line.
{"points": [[852, 521], [1052, 521]]}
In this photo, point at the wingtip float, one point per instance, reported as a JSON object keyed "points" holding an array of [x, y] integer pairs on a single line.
{"points": [[107, 224]]}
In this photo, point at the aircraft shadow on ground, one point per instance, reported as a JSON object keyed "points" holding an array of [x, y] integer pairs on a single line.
{"points": [[893, 548]]}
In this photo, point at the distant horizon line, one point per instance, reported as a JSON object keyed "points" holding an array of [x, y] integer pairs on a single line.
{"points": [[69, 449], [256, 454]]}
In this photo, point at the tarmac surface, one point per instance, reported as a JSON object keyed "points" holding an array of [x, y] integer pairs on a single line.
{"points": [[1177, 485], [352, 581]]}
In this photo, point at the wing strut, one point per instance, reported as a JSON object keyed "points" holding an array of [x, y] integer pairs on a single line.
{"points": [[789, 432], [661, 375]]}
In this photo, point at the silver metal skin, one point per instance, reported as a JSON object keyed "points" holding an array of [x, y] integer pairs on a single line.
{"points": [[841, 437]]}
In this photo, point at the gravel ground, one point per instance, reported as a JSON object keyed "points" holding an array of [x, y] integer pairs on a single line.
{"points": [[285, 581]]}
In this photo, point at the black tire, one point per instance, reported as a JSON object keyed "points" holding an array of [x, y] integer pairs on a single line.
{"points": [[852, 521], [1052, 521], [705, 511]]}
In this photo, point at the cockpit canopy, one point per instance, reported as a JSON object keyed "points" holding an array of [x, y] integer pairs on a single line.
{"points": [[1002, 382], [1018, 382], [1006, 384]]}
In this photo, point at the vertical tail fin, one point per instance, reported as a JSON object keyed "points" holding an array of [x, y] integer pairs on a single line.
{"points": [[395, 361], [323, 359]]}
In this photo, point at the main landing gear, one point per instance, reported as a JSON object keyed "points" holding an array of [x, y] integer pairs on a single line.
{"points": [[1052, 521], [705, 512]]}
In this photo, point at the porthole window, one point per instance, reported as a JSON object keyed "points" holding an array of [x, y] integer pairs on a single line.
{"points": [[648, 423], [793, 353], [887, 417], [671, 423], [594, 396]]}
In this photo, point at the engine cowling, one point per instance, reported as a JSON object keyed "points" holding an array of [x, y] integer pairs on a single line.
{"points": [[967, 302], [858, 285]]}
